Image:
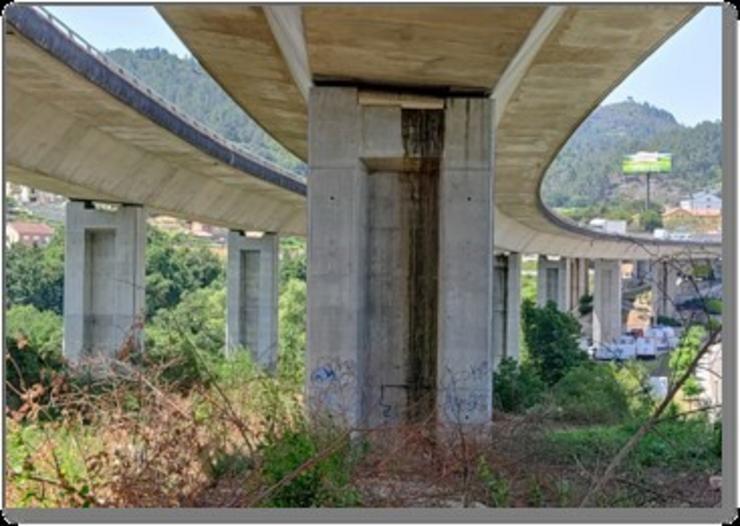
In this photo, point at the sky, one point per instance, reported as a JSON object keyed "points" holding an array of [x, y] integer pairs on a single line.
{"points": [[684, 76]]}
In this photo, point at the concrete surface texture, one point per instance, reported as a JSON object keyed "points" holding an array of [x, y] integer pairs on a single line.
{"points": [[664, 287], [399, 313], [547, 68], [507, 299], [553, 282], [252, 297], [607, 303], [103, 281], [80, 128]]}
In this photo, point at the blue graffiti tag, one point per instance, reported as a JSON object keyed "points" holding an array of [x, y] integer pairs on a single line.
{"points": [[324, 374]]}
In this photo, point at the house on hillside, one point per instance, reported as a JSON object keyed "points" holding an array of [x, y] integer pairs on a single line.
{"points": [[701, 201], [31, 234], [698, 220]]}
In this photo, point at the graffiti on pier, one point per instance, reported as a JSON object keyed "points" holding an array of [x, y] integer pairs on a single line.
{"points": [[333, 387], [466, 393]]}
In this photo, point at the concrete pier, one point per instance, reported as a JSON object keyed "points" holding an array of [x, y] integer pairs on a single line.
{"points": [[507, 298], [252, 296], [553, 282], [103, 281], [664, 281], [642, 270], [607, 313], [400, 258], [578, 281]]}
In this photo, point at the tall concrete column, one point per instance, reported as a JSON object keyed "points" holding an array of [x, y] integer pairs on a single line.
{"points": [[607, 313], [507, 298], [103, 281], [578, 281], [664, 288], [642, 270], [252, 296], [553, 282], [465, 264], [399, 283]]}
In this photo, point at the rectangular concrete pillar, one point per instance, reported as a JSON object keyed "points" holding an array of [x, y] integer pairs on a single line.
{"points": [[664, 284], [642, 270], [553, 282], [395, 271], [466, 264], [578, 282], [103, 281], [507, 298], [252, 296], [607, 312], [337, 242]]}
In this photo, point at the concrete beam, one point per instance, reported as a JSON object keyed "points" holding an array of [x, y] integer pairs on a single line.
{"points": [[286, 24], [252, 297], [103, 281]]}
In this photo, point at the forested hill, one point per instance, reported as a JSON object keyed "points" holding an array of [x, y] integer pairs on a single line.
{"points": [[188, 86], [587, 170]]}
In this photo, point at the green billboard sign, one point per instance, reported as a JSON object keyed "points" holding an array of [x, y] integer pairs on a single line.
{"points": [[646, 162]]}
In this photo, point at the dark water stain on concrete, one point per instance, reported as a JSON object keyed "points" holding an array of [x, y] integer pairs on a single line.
{"points": [[422, 133]]}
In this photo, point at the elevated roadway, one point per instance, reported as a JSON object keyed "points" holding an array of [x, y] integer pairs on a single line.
{"points": [[80, 126], [546, 68]]}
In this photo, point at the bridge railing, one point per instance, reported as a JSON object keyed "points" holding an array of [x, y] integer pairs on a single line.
{"points": [[116, 68]]}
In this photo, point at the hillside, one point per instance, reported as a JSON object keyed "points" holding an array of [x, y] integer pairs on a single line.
{"points": [[186, 84], [588, 168], [586, 171]]}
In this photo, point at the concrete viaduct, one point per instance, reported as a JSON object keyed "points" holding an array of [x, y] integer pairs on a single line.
{"points": [[427, 130]]}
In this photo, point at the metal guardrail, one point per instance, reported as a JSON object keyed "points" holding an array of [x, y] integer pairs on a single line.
{"points": [[117, 69]]}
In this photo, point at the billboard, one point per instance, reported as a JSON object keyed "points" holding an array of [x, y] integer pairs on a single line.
{"points": [[646, 162]]}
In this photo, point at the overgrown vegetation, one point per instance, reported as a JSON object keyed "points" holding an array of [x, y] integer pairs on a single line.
{"points": [[184, 426], [551, 337]]}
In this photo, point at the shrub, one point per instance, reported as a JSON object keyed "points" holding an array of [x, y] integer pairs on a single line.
{"points": [[516, 387], [551, 339], [188, 340], [34, 345], [313, 470], [713, 306], [591, 394], [292, 331], [682, 445], [585, 304], [684, 354], [668, 321]]}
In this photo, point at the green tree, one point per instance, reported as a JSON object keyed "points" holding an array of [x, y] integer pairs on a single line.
{"points": [[551, 339], [516, 387], [35, 275], [292, 331], [189, 338], [292, 260], [684, 354], [650, 220], [34, 349], [175, 266]]}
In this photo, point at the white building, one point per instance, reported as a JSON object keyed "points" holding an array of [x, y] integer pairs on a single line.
{"points": [[610, 226], [702, 201]]}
